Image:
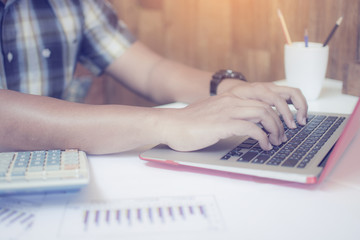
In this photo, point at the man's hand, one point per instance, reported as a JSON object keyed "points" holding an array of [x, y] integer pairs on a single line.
{"points": [[273, 95], [235, 112]]}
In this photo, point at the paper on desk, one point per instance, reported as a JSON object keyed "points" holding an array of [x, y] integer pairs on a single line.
{"points": [[17, 216], [151, 217]]}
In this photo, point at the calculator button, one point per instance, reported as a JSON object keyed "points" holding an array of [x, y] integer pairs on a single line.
{"points": [[36, 164], [35, 169], [62, 174], [71, 166], [38, 175], [2, 176]]}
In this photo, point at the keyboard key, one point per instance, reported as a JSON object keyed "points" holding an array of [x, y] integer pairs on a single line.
{"points": [[247, 157], [291, 162], [262, 158], [301, 165], [274, 162], [226, 157], [250, 141]]}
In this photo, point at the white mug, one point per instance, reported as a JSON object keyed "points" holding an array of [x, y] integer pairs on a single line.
{"points": [[305, 67]]}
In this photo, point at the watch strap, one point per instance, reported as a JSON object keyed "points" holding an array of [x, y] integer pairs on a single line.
{"points": [[221, 75]]}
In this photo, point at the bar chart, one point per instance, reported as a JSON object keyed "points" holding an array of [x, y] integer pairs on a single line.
{"points": [[149, 215], [16, 217]]}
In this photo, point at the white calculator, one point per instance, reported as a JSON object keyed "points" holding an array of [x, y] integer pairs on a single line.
{"points": [[43, 171]]}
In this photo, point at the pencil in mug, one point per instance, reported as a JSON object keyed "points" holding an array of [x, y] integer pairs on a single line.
{"points": [[285, 30], [306, 38], [338, 22]]}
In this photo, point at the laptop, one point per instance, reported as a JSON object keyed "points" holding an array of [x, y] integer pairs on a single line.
{"points": [[307, 157]]}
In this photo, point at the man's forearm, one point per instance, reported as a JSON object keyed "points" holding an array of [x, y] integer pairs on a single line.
{"points": [[32, 122], [159, 79], [179, 82]]}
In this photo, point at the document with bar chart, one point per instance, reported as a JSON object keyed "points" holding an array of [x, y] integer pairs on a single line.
{"points": [[145, 215], [17, 217]]}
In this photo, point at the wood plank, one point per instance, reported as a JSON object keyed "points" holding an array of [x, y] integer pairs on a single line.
{"points": [[352, 80]]}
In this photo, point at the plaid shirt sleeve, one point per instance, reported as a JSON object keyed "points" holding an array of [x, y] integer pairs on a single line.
{"points": [[105, 37], [42, 41]]}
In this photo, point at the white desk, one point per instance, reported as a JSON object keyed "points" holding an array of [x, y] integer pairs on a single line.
{"points": [[331, 99], [250, 208]]}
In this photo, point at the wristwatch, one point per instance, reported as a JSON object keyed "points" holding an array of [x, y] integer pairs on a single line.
{"points": [[221, 75]]}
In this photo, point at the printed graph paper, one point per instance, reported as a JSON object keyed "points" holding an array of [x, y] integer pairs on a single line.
{"points": [[151, 215], [16, 217]]}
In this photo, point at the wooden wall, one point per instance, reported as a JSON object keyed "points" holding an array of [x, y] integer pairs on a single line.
{"points": [[240, 34]]}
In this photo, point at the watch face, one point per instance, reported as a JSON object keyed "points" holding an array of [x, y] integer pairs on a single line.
{"points": [[222, 74], [231, 74]]}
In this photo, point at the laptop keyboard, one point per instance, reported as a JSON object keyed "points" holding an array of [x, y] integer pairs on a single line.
{"points": [[304, 142]]}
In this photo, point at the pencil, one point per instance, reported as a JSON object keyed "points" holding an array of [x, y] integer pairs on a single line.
{"points": [[306, 38], [338, 22], [285, 30]]}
